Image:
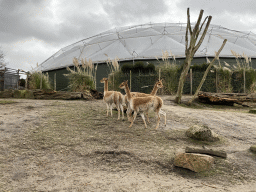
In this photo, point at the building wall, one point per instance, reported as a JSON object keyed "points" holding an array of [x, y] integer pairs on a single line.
{"points": [[103, 71]]}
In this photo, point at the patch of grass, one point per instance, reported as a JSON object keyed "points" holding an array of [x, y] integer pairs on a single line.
{"points": [[252, 111], [4, 102]]}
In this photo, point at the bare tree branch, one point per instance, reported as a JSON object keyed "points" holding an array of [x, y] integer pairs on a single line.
{"points": [[203, 35], [196, 28], [188, 22], [201, 27]]}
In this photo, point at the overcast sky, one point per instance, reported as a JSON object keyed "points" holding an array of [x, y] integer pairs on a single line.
{"points": [[33, 30]]}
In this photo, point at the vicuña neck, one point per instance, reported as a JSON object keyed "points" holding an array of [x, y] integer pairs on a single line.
{"points": [[128, 93], [105, 86], [153, 92]]}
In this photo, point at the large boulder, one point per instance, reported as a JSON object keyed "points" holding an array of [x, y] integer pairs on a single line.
{"points": [[194, 162], [202, 133]]}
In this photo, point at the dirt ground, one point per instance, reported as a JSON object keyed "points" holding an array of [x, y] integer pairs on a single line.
{"points": [[57, 145]]}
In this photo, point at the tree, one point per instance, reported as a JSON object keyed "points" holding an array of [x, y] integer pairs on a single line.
{"points": [[206, 72], [191, 47]]}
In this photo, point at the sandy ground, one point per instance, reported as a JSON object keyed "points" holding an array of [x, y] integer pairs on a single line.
{"points": [[83, 165]]}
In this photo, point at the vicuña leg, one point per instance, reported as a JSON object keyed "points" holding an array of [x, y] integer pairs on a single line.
{"points": [[107, 109], [111, 107], [164, 114], [158, 120], [122, 109], [134, 117], [143, 117]]}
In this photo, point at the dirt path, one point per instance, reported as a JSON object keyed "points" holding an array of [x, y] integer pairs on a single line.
{"points": [[73, 146]]}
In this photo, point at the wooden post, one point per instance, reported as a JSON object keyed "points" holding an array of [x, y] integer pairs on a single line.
{"points": [[41, 81], [131, 80], [216, 81], [54, 81], [159, 74], [191, 83], [244, 80], [113, 81], [26, 82], [18, 84]]}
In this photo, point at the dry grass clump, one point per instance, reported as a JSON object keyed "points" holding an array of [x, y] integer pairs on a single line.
{"points": [[38, 80], [83, 77], [113, 64]]}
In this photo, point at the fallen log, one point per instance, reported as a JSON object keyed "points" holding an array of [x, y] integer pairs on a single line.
{"points": [[226, 98], [218, 153]]}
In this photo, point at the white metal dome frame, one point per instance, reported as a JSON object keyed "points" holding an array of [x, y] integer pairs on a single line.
{"points": [[148, 41]]}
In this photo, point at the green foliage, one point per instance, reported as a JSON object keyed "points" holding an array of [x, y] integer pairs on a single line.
{"points": [[35, 80], [83, 77], [126, 68], [138, 67], [199, 67], [27, 94], [80, 81], [170, 76], [238, 80], [224, 80], [150, 68], [22, 82]]}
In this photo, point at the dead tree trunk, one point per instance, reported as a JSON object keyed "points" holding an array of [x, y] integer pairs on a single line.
{"points": [[192, 47], [206, 72]]}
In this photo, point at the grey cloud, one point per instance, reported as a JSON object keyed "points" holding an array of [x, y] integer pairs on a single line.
{"points": [[122, 11], [219, 6]]}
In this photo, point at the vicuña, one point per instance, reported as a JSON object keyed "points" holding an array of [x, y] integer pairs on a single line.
{"points": [[112, 97], [143, 104]]}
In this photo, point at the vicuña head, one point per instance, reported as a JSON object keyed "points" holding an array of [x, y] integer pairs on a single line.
{"points": [[103, 80], [122, 85], [160, 84]]}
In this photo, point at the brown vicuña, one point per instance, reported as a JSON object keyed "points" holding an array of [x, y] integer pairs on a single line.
{"points": [[143, 104], [157, 85], [112, 97]]}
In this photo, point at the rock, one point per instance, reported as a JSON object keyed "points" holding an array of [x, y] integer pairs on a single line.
{"points": [[202, 133], [194, 162], [253, 148]]}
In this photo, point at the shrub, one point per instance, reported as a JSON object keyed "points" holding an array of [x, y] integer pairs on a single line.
{"points": [[138, 67], [84, 77], [126, 68], [35, 80], [150, 68]]}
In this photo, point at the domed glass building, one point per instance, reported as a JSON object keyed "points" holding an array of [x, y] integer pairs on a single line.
{"points": [[146, 43]]}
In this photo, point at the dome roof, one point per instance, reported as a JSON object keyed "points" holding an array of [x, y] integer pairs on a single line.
{"points": [[148, 41]]}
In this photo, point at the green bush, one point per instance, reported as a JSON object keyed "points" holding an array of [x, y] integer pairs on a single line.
{"points": [[35, 81], [138, 67], [126, 68], [150, 68], [80, 82]]}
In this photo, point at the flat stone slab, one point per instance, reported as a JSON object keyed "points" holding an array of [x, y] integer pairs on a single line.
{"points": [[194, 162]]}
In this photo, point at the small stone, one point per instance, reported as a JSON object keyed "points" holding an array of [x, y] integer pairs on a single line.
{"points": [[202, 133], [194, 162]]}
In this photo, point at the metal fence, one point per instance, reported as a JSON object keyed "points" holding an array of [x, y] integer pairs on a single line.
{"points": [[9, 78], [216, 81]]}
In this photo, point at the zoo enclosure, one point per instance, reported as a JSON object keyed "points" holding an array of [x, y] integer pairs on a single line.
{"points": [[9, 78], [243, 81]]}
